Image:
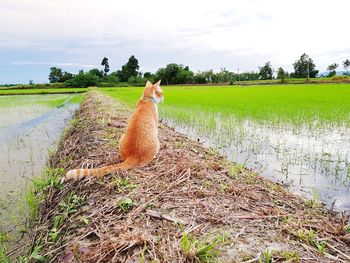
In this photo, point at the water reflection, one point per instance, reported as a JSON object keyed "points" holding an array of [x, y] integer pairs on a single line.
{"points": [[27, 132], [307, 158]]}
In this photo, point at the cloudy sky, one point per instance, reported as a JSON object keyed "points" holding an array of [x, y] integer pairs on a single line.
{"points": [[76, 34]]}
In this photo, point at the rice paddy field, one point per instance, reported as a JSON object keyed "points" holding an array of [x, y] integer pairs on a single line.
{"points": [[29, 129], [297, 135], [41, 91]]}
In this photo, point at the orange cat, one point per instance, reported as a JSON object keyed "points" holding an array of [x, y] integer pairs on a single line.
{"points": [[139, 144]]}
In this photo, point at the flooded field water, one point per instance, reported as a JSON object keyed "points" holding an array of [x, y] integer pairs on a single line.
{"points": [[29, 128], [312, 160]]}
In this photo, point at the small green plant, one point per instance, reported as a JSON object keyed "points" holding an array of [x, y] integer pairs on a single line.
{"points": [[307, 236], [36, 254], [23, 259], [320, 246], [291, 255], [347, 229], [67, 206], [266, 256], [314, 202], [57, 220], [70, 204], [32, 204], [223, 187], [234, 171], [84, 220], [53, 234], [123, 183], [200, 250], [207, 183], [125, 204], [3, 257], [250, 178], [51, 178], [23, 229], [3, 237], [150, 205], [310, 238]]}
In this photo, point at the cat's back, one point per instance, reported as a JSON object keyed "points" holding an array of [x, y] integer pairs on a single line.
{"points": [[144, 117]]}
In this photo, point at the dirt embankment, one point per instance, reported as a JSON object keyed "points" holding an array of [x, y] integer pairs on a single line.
{"points": [[188, 205]]}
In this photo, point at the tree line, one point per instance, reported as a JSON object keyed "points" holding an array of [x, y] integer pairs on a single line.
{"points": [[173, 73]]}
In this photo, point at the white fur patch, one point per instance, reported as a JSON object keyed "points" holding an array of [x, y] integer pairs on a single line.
{"points": [[71, 174]]}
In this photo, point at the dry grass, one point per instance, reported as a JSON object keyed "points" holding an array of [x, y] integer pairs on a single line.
{"points": [[188, 205]]}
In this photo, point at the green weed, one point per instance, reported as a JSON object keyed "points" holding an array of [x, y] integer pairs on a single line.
{"points": [[32, 204], [35, 255], [70, 204], [266, 256], [307, 236], [347, 229], [125, 204], [205, 250], [3, 257], [123, 183], [51, 178], [53, 234], [234, 171], [314, 202], [3, 237], [66, 207], [291, 255], [223, 187], [310, 238]]}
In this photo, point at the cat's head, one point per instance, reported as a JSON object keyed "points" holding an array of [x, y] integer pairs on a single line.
{"points": [[153, 91]]}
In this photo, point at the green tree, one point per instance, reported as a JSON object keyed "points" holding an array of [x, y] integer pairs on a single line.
{"points": [[266, 72], [97, 72], [130, 69], [66, 76], [55, 74], [224, 76], [200, 78], [346, 65], [149, 76], [332, 69], [105, 64], [248, 76], [111, 78], [175, 74], [304, 67], [282, 74]]}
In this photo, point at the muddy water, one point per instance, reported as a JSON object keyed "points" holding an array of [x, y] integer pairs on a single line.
{"points": [[314, 162], [29, 127]]}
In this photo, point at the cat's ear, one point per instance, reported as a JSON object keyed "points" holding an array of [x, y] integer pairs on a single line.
{"points": [[157, 84], [148, 84]]}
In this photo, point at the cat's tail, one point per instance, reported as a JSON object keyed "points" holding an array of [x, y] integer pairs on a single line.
{"points": [[77, 174]]}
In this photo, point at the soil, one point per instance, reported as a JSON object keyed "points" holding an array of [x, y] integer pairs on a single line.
{"points": [[189, 205]]}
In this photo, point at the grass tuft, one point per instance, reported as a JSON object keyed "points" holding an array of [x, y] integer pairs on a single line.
{"points": [[195, 250]]}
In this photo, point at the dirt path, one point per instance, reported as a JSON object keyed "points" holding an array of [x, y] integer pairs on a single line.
{"points": [[188, 205]]}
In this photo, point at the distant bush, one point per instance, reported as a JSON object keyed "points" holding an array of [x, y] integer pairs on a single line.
{"points": [[114, 84], [340, 78], [137, 81], [83, 80]]}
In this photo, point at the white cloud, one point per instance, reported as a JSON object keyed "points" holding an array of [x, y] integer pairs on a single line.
{"points": [[54, 64], [253, 31]]}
